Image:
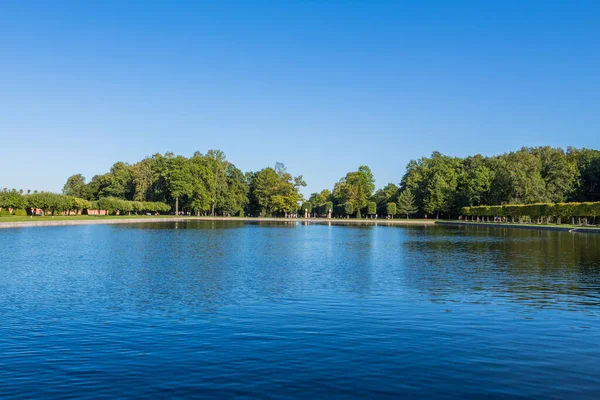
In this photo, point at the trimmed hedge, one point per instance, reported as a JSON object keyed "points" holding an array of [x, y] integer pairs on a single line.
{"points": [[372, 208], [114, 205], [54, 203], [306, 207], [536, 211], [390, 209]]}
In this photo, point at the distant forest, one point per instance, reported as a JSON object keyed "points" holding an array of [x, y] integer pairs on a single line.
{"points": [[434, 186]]}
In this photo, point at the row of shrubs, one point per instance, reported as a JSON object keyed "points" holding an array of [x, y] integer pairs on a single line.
{"points": [[348, 208], [114, 205], [15, 203], [345, 209], [538, 211]]}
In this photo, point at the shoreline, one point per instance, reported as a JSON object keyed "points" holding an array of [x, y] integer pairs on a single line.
{"points": [[337, 221], [555, 228], [129, 220]]}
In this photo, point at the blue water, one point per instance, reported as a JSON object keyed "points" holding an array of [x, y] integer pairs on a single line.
{"points": [[218, 309]]}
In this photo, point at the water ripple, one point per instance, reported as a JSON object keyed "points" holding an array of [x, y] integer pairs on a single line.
{"points": [[217, 309]]}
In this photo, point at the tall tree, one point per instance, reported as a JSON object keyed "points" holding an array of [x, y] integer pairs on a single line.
{"points": [[558, 172], [217, 181], [276, 191], [76, 186], [414, 179], [179, 179], [119, 182], [201, 175], [588, 165], [475, 183], [406, 203], [143, 177], [356, 187], [525, 173], [442, 174], [237, 191]]}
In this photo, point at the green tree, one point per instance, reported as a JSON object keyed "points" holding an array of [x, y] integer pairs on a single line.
{"points": [[383, 196], [501, 186], [11, 200], [326, 208], [558, 172], [306, 207], [415, 180], [118, 182], [179, 179], [94, 186], [391, 209], [348, 208], [439, 192], [217, 179], [321, 202], [475, 183], [76, 186], [202, 175], [356, 187], [587, 186], [143, 177], [276, 191], [372, 208], [237, 191], [266, 187], [317, 200], [406, 203], [4, 199], [525, 173]]}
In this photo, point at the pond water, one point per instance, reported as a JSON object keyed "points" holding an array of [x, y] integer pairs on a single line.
{"points": [[274, 310]]}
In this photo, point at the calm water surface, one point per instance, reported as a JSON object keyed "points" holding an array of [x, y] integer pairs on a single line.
{"points": [[227, 309]]}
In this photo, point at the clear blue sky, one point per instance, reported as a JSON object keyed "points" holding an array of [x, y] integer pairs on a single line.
{"points": [[320, 87]]}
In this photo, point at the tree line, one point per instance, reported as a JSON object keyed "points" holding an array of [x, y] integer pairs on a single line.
{"points": [[204, 184], [434, 186], [441, 185], [444, 185]]}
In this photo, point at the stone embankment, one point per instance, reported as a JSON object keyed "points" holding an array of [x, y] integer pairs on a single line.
{"points": [[589, 229], [103, 221]]}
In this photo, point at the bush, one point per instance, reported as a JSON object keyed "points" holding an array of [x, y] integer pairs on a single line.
{"points": [[372, 208], [306, 207], [114, 205], [390, 209]]}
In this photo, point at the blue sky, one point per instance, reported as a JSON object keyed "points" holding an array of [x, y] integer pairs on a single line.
{"points": [[321, 86]]}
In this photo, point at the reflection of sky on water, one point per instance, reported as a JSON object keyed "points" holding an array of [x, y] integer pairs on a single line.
{"points": [[208, 263], [138, 310]]}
